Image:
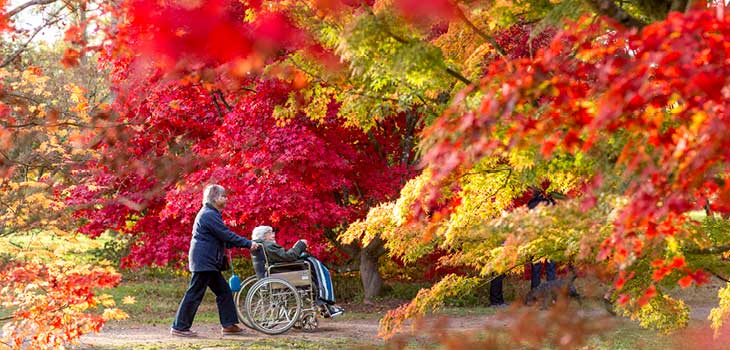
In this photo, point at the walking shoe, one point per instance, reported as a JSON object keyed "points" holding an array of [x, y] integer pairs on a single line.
{"points": [[186, 333], [334, 310], [499, 305], [232, 329]]}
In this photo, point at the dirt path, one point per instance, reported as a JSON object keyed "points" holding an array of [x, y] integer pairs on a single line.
{"points": [[332, 334], [361, 331], [119, 335]]}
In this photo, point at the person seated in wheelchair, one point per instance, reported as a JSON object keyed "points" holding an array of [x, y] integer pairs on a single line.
{"points": [[266, 237]]}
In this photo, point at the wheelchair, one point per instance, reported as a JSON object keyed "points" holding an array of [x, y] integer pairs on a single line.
{"points": [[280, 296]]}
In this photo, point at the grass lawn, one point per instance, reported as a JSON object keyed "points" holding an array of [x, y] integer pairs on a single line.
{"points": [[158, 299], [77, 248]]}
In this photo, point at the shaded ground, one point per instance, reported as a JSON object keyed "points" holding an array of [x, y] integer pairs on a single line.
{"points": [[332, 334], [356, 330], [329, 335]]}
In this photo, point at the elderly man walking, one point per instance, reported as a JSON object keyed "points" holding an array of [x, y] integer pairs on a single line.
{"points": [[206, 259]]}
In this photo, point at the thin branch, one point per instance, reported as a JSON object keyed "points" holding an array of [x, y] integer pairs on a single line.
{"points": [[488, 171], [503, 273], [458, 75], [22, 97], [4, 343], [66, 124], [325, 82], [450, 71], [362, 94], [32, 124], [223, 99], [217, 106], [504, 184], [22, 48], [706, 251], [22, 7], [481, 33], [718, 276], [350, 249]]}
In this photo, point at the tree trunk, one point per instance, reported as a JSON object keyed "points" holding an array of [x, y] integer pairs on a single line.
{"points": [[610, 9], [372, 282]]}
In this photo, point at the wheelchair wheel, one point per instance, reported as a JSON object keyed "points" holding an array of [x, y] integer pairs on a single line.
{"points": [[309, 323], [273, 306], [240, 299]]}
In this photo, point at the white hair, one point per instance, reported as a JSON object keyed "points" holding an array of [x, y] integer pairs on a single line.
{"points": [[212, 193], [259, 233]]}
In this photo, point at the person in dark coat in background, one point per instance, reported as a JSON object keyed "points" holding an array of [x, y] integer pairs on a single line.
{"points": [[206, 259], [539, 197], [496, 295]]}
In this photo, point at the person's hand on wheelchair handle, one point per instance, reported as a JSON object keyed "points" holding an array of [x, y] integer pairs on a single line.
{"points": [[254, 246]]}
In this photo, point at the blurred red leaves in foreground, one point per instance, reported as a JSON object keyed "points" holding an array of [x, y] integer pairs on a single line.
{"points": [[53, 304]]}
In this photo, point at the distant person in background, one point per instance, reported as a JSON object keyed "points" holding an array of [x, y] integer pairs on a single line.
{"points": [[496, 294], [540, 197], [265, 236], [206, 259]]}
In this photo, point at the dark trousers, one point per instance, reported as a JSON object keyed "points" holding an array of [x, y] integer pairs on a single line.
{"points": [[496, 296], [194, 296], [537, 272]]}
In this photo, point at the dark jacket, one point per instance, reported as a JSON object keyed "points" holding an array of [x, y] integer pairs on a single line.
{"points": [[538, 198], [210, 237], [277, 253]]}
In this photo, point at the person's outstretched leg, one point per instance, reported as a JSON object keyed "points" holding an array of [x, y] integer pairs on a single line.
{"points": [[223, 298], [190, 302], [315, 280], [322, 279]]}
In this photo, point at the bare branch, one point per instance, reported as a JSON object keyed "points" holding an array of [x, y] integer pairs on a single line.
{"points": [[486, 171], [397, 38], [481, 33], [458, 75], [351, 249], [720, 277], [504, 184], [22, 48], [223, 99], [22, 7], [710, 250], [217, 106]]}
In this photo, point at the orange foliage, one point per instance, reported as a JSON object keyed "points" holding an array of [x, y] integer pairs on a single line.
{"points": [[54, 304]]}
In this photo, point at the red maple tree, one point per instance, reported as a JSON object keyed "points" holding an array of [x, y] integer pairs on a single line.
{"points": [[307, 178]]}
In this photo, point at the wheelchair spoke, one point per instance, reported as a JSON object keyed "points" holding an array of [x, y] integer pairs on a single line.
{"points": [[273, 306]]}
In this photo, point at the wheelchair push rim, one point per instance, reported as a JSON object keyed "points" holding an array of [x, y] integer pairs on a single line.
{"points": [[273, 306]]}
